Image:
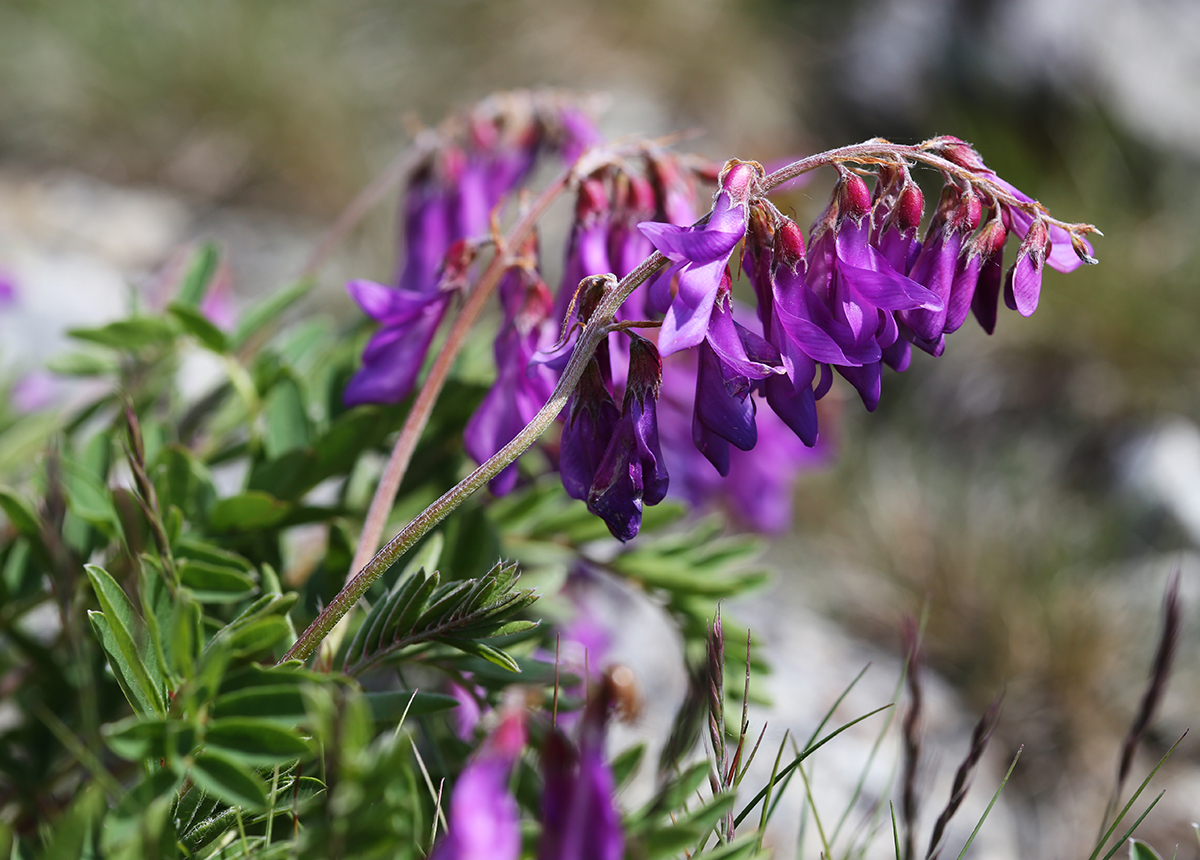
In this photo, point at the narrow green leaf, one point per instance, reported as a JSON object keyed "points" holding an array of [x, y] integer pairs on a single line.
{"points": [[389, 707], [83, 364], [277, 702], [136, 738], [215, 584], [258, 635], [129, 335], [1139, 850], [21, 515], [480, 649], [251, 511], [269, 310], [287, 421], [229, 780], [200, 327], [625, 765], [201, 269], [119, 616], [255, 741]]}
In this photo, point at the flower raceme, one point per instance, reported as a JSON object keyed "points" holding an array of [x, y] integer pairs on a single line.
{"points": [[866, 288]]}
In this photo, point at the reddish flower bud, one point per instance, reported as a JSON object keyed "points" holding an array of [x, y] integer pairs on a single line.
{"points": [[958, 151], [910, 208], [854, 200], [789, 244]]}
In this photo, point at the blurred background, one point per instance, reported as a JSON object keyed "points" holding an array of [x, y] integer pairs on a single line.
{"points": [[1034, 489]]}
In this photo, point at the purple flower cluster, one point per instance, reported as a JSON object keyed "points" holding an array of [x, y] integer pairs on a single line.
{"points": [[580, 819], [865, 289], [446, 211]]}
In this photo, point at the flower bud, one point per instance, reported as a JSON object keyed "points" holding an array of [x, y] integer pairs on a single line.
{"points": [[1024, 281], [910, 208], [957, 151], [854, 200], [789, 244]]}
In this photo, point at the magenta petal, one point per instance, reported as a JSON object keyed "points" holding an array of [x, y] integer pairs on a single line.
{"points": [[889, 289], [393, 359], [690, 244], [687, 319], [739, 349], [1024, 285], [962, 292], [388, 304]]}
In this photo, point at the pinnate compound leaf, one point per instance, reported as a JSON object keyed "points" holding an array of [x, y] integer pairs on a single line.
{"points": [[419, 611], [229, 780]]}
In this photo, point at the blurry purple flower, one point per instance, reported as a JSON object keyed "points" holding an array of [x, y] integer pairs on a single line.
{"points": [[699, 256], [674, 187], [522, 387], [466, 716], [394, 355], [578, 133], [8, 289], [757, 491], [35, 391], [484, 822], [631, 473], [580, 820], [587, 247], [218, 304]]}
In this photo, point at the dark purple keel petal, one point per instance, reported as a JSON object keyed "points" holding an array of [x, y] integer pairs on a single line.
{"points": [[713, 447], [616, 492], [986, 300], [728, 413], [962, 292], [797, 407], [591, 422], [867, 380], [898, 355]]}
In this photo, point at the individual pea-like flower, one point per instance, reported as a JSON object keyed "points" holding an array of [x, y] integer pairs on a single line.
{"points": [[484, 822], [1023, 284], [522, 386], [632, 473], [580, 819], [590, 422], [938, 266], [687, 289]]}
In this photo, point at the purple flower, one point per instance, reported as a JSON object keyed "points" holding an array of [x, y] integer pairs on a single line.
{"points": [[938, 265], [394, 355], [1023, 284], [859, 286], [484, 822], [522, 387], [587, 247], [8, 289], [631, 473], [580, 820], [1063, 255], [591, 421], [699, 256]]}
